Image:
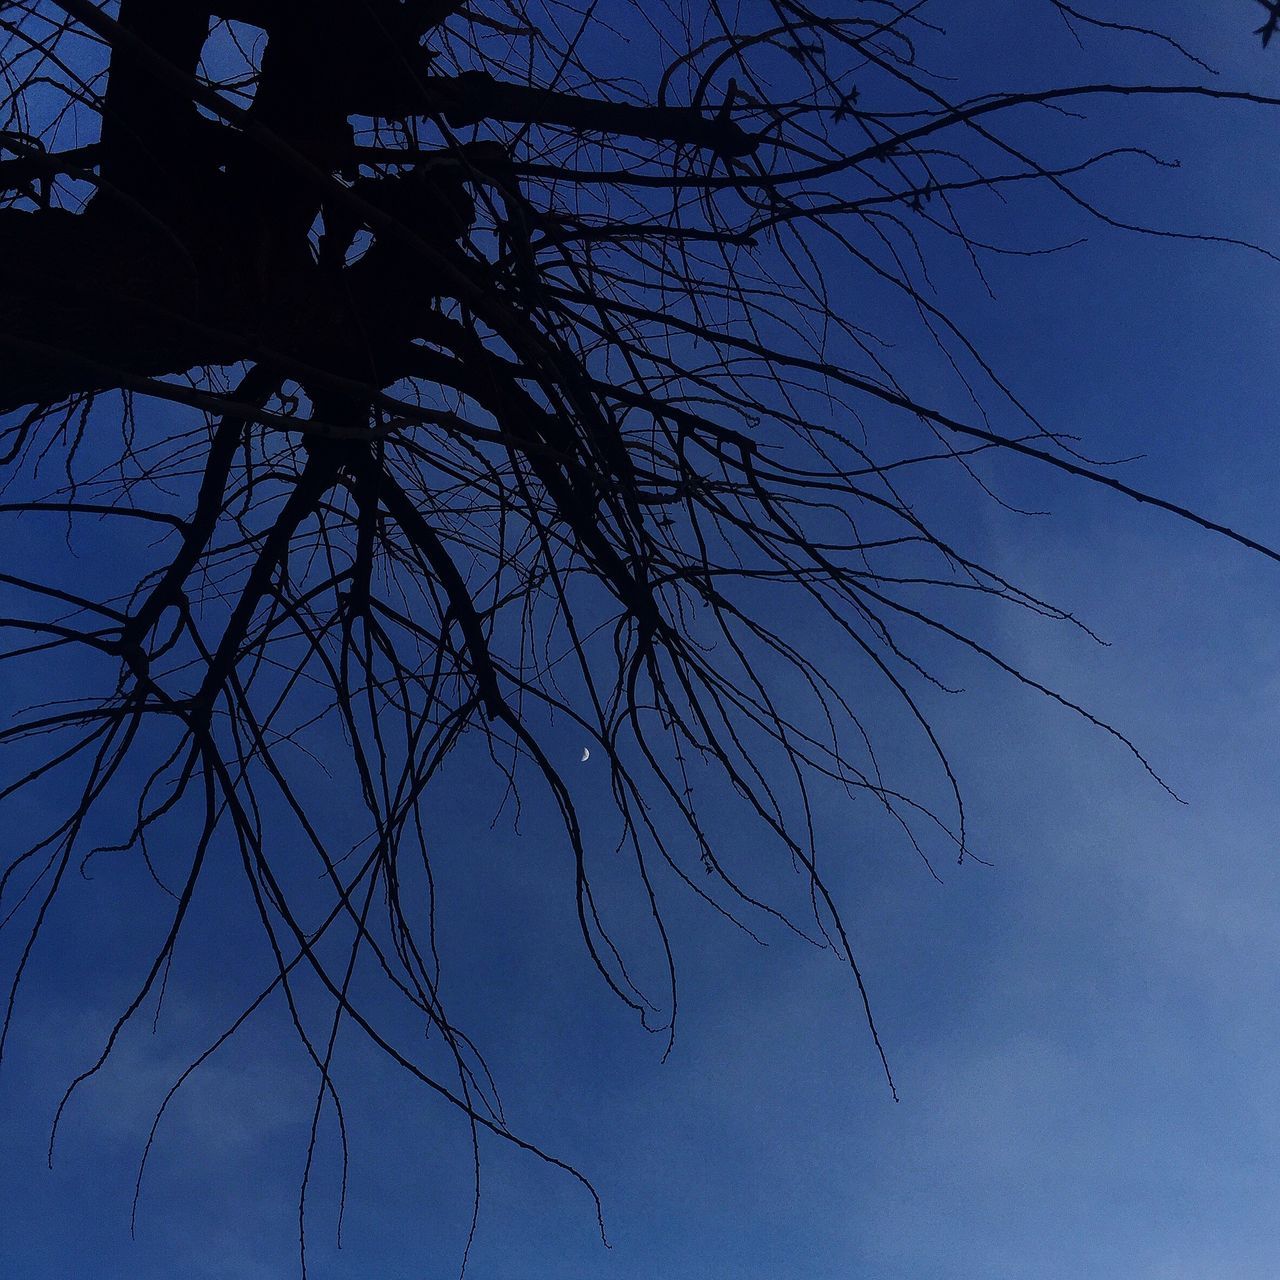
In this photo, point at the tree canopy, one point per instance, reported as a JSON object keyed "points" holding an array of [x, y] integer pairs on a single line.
{"points": [[448, 373]]}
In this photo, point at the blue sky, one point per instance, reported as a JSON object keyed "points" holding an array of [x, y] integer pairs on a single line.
{"points": [[1083, 1034]]}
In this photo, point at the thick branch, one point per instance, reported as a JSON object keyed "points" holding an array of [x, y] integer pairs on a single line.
{"points": [[475, 96]]}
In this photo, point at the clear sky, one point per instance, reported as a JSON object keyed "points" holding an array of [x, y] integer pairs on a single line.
{"points": [[1083, 1034]]}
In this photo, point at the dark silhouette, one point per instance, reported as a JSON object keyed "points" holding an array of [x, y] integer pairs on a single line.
{"points": [[532, 391], [1268, 29]]}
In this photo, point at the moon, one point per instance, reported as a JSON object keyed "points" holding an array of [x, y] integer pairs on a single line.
{"points": [[586, 755]]}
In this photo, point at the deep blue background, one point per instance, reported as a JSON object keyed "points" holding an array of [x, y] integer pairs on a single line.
{"points": [[1083, 1035]]}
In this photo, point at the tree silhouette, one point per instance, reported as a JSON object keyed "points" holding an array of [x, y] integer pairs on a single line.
{"points": [[504, 386]]}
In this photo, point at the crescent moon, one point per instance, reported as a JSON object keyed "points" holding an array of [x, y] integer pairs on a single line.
{"points": [[586, 755]]}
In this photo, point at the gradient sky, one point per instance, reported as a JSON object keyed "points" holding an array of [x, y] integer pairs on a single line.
{"points": [[1083, 1035]]}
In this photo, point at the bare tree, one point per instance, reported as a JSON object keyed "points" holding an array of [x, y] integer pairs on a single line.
{"points": [[467, 379]]}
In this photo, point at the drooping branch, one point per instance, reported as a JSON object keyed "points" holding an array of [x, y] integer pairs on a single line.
{"points": [[558, 400]]}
